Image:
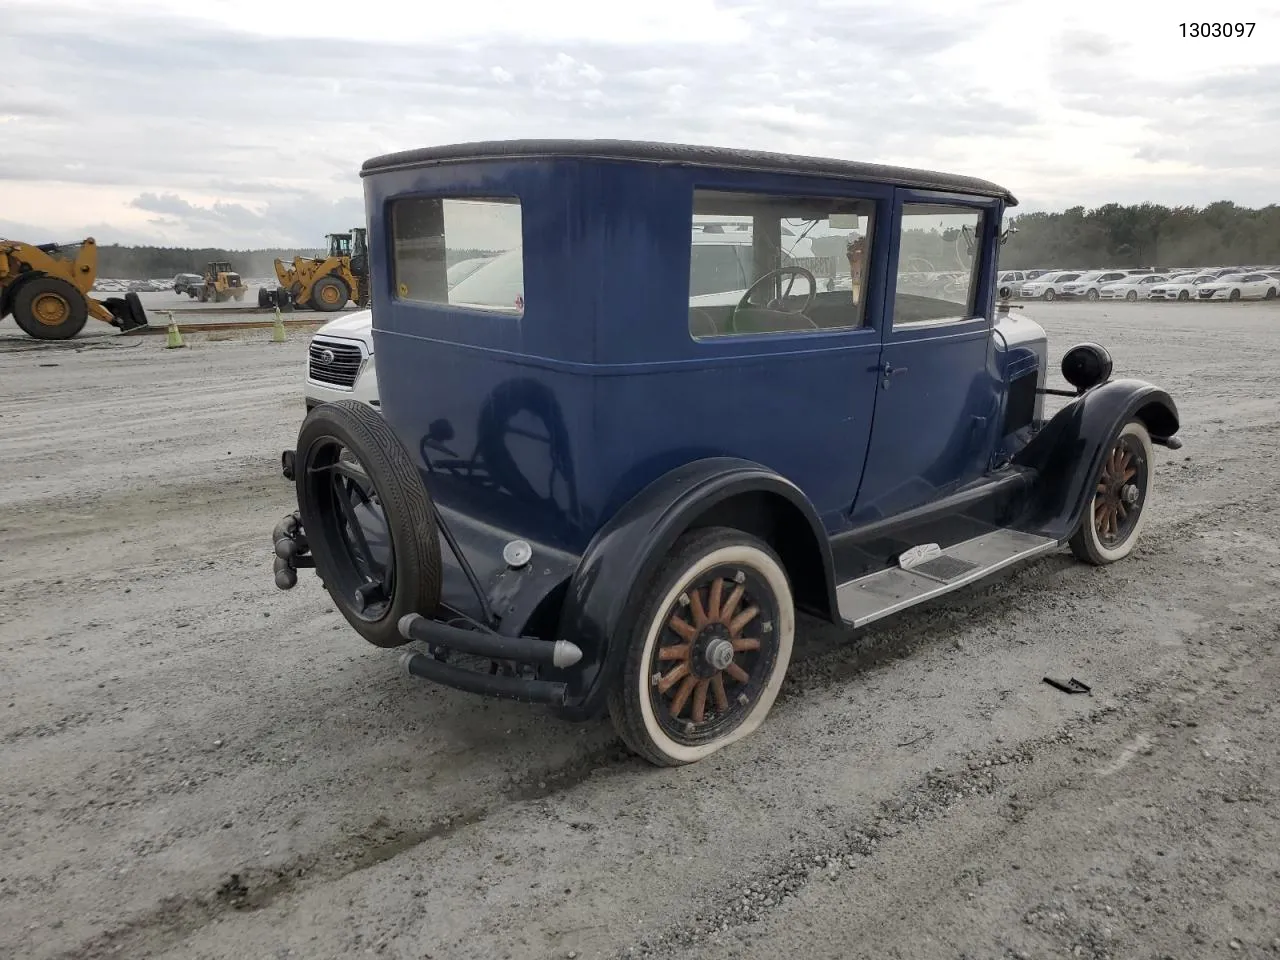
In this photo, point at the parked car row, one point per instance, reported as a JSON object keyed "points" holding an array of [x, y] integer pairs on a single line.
{"points": [[111, 285], [1211, 283]]}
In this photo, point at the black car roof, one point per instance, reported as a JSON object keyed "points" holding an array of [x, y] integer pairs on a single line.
{"points": [[676, 153]]}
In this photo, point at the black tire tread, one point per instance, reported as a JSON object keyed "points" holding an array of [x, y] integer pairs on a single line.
{"points": [[410, 514], [24, 316], [317, 302], [624, 711]]}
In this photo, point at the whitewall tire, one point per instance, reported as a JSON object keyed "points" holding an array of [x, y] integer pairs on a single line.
{"points": [[1117, 511], [711, 643]]}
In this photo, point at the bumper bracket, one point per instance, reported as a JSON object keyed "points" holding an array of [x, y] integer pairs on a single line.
{"points": [[492, 685]]}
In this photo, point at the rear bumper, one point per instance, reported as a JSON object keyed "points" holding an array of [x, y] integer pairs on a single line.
{"points": [[443, 638], [485, 684]]}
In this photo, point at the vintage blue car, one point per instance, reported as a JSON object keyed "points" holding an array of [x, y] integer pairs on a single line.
{"points": [[690, 392]]}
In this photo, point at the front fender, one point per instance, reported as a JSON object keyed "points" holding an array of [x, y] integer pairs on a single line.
{"points": [[1068, 451], [600, 604]]}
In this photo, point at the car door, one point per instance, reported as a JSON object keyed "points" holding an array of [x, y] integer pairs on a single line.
{"points": [[1062, 280], [936, 397], [1254, 286]]}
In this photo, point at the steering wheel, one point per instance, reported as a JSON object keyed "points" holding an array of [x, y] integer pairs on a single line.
{"points": [[793, 272]]}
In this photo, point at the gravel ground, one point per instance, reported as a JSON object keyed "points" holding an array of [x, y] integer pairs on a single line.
{"points": [[195, 765]]}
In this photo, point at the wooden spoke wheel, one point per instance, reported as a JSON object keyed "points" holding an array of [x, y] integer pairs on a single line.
{"points": [[1116, 513], [710, 649]]}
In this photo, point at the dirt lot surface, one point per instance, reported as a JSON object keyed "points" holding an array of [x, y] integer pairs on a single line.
{"points": [[195, 765]]}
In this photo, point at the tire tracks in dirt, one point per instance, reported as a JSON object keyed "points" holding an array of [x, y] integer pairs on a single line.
{"points": [[253, 889]]}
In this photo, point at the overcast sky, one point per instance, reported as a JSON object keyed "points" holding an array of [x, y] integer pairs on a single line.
{"points": [[244, 122]]}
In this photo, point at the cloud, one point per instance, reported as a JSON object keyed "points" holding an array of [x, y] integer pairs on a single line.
{"points": [[307, 217], [192, 124]]}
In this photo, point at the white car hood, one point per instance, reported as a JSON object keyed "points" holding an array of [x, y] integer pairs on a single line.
{"points": [[352, 326]]}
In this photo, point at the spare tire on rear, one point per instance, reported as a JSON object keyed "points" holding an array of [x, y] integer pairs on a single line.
{"points": [[369, 520]]}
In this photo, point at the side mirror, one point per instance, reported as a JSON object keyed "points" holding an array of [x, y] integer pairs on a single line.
{"points": [[1086, 365], [1006, 292]]}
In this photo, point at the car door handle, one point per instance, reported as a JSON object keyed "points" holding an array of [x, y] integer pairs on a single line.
{"points": [[888, 370]]}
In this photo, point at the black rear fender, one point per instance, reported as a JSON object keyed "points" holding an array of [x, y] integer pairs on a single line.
{"points": [[625, 554]]}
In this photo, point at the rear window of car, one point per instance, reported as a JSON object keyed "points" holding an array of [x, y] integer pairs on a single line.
{"points": [[432, 234]]}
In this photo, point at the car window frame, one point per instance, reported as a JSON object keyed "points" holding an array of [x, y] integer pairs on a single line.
{"points": [[500, 314], [870, 305], [980, 307]]}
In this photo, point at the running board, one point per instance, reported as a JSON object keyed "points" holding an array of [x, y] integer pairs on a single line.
{"points": [[925, 572]]}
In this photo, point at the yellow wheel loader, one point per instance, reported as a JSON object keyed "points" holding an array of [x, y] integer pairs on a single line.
{"points": [[221, 283], [324, 283], [46, 288]]}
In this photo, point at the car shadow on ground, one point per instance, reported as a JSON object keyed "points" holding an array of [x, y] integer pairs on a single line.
{"points": [[490, 731]]}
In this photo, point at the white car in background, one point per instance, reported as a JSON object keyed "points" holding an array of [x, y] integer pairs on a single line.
{"points": [[1089, 285], [340, 362], [1240, 286], [1048, 286], [1182, 286], [1013, 279], [1131, 288]]}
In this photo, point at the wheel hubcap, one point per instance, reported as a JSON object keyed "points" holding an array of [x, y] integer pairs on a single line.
{"points": [[714, 656], [719, 654], [51, 309]]}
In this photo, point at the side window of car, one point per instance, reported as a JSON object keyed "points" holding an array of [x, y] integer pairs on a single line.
{"points": [[937, 263], [715, 268], [432, 234], [771, 264]]}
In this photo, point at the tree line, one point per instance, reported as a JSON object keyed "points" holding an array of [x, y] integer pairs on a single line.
{"points": [[154, 263], [1145, 235], [1113, 235]]}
